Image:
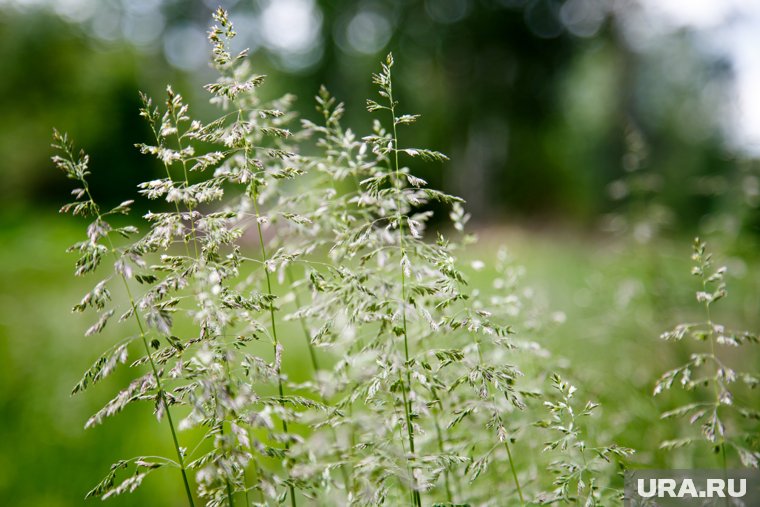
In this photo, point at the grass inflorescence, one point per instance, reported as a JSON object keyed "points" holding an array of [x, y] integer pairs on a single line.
{"points": [[273, 238]]}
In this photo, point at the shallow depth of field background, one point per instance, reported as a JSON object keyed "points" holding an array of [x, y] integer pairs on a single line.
{"points": [[594, 139]]}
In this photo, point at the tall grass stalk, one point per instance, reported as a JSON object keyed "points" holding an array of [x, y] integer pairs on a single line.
{"points": [[77, 168], [416, 369], [709, 370], [386, 83], [277, 348]]}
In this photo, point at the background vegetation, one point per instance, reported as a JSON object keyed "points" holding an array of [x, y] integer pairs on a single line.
{"points": [[593, 148]]}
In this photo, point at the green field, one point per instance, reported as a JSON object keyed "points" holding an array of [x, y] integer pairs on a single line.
{"points": [[615, 298]]}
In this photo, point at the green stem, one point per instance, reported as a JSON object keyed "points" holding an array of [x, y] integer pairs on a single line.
{"points": [[222, 416], [408, 386], [159, 386], [275, 342], [309, 345], [506, 442], [514, 472], [161, 394], [230, 499], [441, 447], [716, 391], [409, 466], [722, 443]]}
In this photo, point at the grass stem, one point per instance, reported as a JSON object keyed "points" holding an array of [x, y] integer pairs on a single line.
{"points": [[273, 323], [408, 386], [141, 327]]}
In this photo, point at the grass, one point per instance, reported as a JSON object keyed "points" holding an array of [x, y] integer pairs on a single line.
{"points": [[440, 388], [48, 460]]}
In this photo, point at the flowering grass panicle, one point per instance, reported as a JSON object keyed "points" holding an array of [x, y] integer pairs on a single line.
{"points": [[265, 240], [579, 465], [725, 413]]}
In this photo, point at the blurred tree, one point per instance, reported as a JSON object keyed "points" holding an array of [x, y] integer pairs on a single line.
{"points": [[54, 76], [532, 99]]}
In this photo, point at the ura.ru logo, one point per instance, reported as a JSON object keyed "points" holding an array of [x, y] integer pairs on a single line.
{"points": [[686, 488]]}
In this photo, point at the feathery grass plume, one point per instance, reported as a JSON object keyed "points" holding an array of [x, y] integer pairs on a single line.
{"points": [[406, 328], [724, 412], [508, 441], [417, 392], [323, 211], [380, 298], [579, 472], [98, 247], [190, 266], [489, 393], [246, 151]]}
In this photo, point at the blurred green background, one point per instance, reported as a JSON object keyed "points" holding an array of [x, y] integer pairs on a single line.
{"points": [[593, 138]]}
